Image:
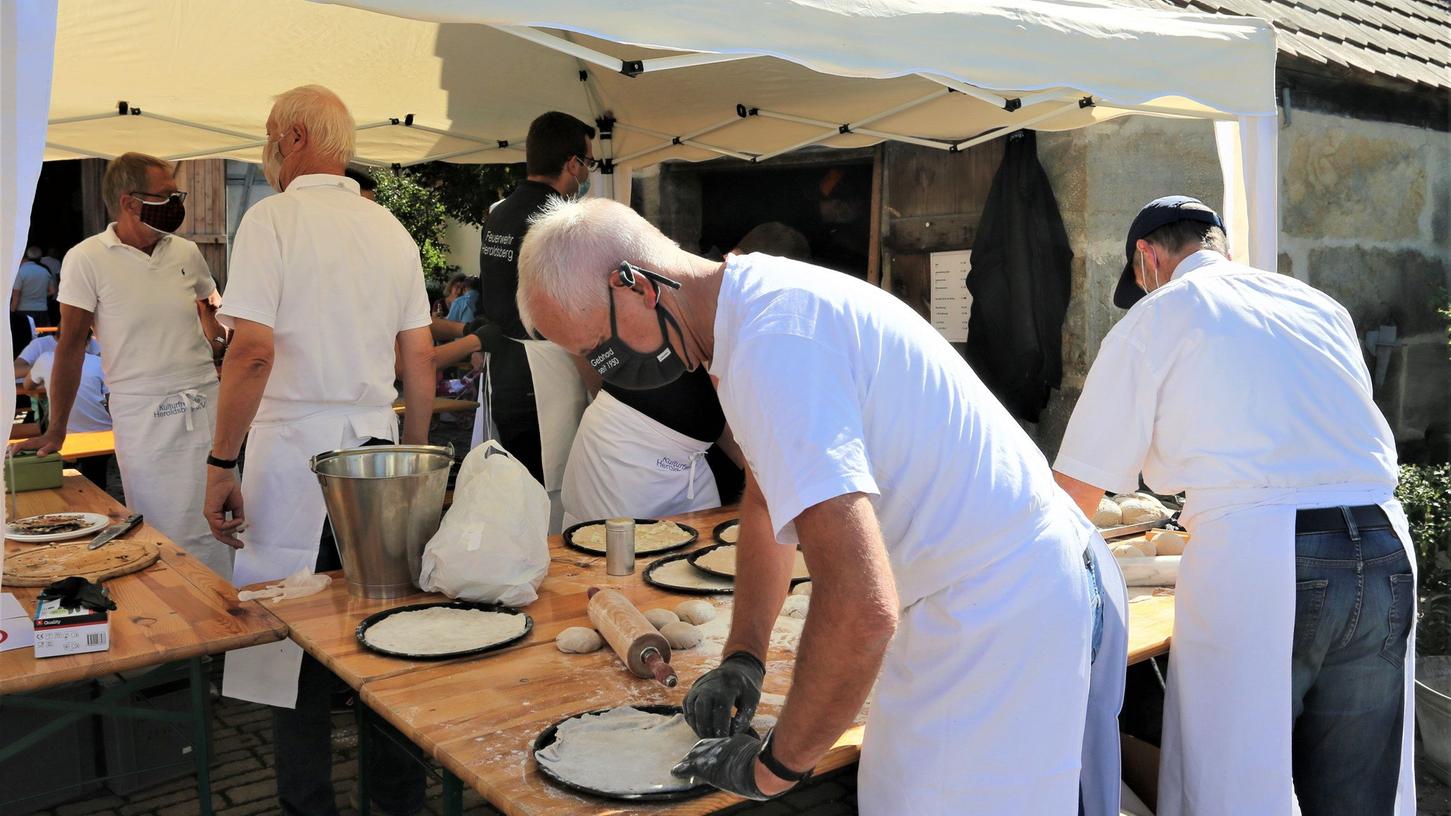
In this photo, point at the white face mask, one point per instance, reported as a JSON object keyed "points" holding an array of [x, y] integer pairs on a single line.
{"points": [[272, 164], [1149, 285]]}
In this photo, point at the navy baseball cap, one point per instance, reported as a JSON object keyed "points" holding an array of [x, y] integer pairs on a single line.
{"points": [[1156, 214]]}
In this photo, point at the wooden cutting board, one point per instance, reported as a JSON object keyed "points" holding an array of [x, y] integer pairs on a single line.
{"points": [[42, 566]]}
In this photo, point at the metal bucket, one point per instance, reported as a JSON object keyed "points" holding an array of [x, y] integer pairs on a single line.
{"points": [[384, 504]]}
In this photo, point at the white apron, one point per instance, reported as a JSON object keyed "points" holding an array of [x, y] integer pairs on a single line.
{"points": [[285, 514], [560, 399], [162, 442], [624, 463], [979, 707], [1227, 712]]}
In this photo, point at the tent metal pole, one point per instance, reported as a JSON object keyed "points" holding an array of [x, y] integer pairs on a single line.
{"points": [[80, 151], [455, 154], [1167, 111], [690, 60], [90, 117], [685, 139], [564, 46], [453, 134], [856, 127], [969, 90], [836, 129], [213, 151], [198, 125], [1016, 126], [1056, 94]]}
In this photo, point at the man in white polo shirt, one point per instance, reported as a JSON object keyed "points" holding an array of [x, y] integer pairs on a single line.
{"points": [[145, 292], [324, 285]]}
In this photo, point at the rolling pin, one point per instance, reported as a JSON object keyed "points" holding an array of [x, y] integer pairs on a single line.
{"points": [[643, 649]]}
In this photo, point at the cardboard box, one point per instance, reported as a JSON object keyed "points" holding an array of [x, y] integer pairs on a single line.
{"points": [[16, 631], [63, 631]]}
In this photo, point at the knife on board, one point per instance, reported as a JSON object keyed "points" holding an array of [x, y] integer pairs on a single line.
{"points": [[114, 530]]}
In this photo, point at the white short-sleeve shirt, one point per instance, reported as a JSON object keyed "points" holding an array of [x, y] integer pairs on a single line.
{"points": [[833, 386], [336, 277], [47, 343], [1229, 377], [145, 310], [89, 412], [32, 281]]}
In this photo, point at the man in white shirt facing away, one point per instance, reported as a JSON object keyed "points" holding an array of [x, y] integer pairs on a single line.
{"points": [[921, 508], [323, 283], [1294, 612], [144, 290]]}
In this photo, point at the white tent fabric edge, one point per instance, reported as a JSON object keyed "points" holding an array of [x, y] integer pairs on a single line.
{"points": [[27, 44]]}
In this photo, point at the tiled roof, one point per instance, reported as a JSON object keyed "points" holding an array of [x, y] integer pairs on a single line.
{"points": [[1409, 40]]}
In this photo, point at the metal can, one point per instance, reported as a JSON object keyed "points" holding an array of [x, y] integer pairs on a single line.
{"points": [[619, 546]]}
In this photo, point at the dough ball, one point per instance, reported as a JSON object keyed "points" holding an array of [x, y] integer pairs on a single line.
{"points": [[696, 612], [1141, 509], [660, 618], [1133, 548], [795, 606], [1108, 513], [681, 635], [578, 640], [1169, 542], [803, 588]]}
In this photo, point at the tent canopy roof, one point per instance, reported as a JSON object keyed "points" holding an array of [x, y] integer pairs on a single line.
{"points": [[462, 79]]}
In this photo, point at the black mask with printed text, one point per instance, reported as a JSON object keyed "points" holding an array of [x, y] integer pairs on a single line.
{"points": [[622, 366], [162, 216]]}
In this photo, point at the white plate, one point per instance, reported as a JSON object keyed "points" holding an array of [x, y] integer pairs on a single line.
{"points": [[94, 522]]}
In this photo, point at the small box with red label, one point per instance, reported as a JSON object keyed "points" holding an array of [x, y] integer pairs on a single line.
{"points": [[16, 631], [61, 630]]}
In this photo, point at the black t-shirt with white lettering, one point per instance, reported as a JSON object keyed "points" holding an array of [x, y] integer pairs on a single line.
{"points": [[499, 258], [687, 406]]}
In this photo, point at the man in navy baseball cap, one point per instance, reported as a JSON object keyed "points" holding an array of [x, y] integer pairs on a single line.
{"points": [[1157, 213]]}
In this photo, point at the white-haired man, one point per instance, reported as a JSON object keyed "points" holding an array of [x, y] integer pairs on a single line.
{"points": [[146, 293], [921, 508], [1295, 608], [323, 284]]}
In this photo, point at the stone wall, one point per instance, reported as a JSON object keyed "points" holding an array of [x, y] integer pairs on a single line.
{"points": [[1365, 209]]}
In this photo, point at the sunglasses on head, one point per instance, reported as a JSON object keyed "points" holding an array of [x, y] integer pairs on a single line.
{"points": [[166, 198]]}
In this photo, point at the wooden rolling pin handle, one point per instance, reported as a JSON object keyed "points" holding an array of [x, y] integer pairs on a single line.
{"points": [[658, 667]]}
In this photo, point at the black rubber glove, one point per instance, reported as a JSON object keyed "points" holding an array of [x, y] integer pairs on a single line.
{"points": [[728, 764], [76, 592], [488, 332], [732, 687]]}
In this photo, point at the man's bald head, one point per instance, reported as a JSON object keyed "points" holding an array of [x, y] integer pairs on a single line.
{"points": [[570, 251]]}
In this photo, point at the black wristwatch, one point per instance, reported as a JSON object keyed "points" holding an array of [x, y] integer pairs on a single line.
{"points": [[224, 464], [774, 765]]}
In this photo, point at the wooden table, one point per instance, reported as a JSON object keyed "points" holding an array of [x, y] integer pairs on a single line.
{"points": [[170, 615], [477, 716], [442, 405], [85, 444]]}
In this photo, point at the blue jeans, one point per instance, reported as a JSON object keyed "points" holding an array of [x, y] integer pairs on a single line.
{"points": [[1354, 601]]}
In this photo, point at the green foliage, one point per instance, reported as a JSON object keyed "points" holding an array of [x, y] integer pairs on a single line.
{"points": [[467, 190], [1425, 493], [421, 211]]}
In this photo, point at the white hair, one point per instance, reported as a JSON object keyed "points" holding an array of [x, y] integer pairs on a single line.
{"points": [[329, 125], [573, 245]]}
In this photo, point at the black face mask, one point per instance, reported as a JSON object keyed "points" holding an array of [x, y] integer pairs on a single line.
{"points": [[163, 216], [622, 366]]}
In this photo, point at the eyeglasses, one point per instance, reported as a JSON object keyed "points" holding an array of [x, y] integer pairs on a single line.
{"points": [[589, 162], [166, 198]]}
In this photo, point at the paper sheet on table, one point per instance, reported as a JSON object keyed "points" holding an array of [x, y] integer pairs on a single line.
{"points": [[951, 302], [265, 674]]}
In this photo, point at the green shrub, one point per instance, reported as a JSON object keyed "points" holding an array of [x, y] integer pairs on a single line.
{"points": [[1425, 492]]}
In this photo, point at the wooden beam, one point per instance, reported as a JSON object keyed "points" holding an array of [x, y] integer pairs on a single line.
{"points": [[874, 242]]}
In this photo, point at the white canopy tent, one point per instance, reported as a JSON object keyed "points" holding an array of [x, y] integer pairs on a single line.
{"points": [[461, 79]]}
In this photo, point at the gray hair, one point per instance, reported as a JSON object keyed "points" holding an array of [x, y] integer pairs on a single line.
{"points": [[331, 131], [572, 245], [1179, 235], [126, 174]]}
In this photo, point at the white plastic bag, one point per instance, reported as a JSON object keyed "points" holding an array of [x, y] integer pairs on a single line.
{"points": [[493, 544]]}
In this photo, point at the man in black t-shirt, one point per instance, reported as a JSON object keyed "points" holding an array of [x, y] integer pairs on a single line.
{"points": [[559, 158]]}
